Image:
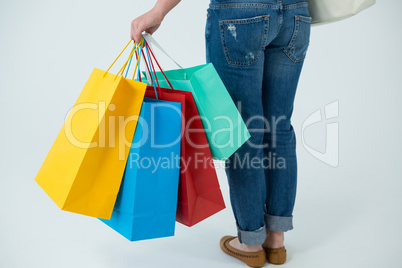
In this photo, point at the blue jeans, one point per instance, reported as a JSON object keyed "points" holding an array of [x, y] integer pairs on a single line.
{"points": [[258, 48]]}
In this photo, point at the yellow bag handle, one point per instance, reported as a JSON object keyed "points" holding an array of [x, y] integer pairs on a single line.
{"points": [[124, 66], [121, 71], [138, 56]]}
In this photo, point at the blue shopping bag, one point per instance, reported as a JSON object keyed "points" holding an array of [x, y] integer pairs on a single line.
{"points": [[146, 204]]}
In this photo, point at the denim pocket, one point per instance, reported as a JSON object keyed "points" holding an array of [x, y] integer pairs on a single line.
{"points": [[243, 40], [298, 45]]}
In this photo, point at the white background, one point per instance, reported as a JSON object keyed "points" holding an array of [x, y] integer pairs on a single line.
{"points": [[348, 216]]}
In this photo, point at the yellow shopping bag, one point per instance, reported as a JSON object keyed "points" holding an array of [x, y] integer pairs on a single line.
{"points": [[84, 167]]}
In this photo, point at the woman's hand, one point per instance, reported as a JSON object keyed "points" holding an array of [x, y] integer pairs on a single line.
{"points": [[150, 21]]}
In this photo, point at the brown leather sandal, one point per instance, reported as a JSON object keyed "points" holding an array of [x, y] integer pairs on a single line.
{"points": [[252, 259], [276, 255]]}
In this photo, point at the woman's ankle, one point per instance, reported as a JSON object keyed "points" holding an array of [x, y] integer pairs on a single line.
{"points": [[243, 247], [274, 239]]}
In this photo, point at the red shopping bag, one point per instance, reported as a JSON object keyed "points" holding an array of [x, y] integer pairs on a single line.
{"points": [[199, 195]]}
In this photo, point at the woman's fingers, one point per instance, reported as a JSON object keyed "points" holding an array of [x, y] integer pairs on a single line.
{"points": [[135, 31], [153, 29], [137, 35]]}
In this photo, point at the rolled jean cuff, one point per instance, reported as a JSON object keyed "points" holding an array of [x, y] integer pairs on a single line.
{"points": [[278, 223], [252, 238]]}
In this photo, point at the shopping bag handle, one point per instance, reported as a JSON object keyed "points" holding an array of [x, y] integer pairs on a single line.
{"points": [[134, 50], [153, 77], [137, 61], [139, 49], [125, 64], [163, 73], [149, 75], [151, 41], [121, 71]]}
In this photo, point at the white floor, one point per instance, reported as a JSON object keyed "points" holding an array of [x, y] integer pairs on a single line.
{"points": [[337, 224], [348, 216]]}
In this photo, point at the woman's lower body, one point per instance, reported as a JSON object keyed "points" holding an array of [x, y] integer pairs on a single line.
{"points": [[258, 48]]}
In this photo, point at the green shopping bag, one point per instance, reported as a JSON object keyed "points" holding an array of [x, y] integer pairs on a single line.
{"points": [[223, 124]]}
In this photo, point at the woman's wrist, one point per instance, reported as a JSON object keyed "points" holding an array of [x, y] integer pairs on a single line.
{"points": [[158, 13]]}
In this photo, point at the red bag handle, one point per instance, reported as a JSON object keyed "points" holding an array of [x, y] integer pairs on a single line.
{"points": [[148, 68], [153, 56]]}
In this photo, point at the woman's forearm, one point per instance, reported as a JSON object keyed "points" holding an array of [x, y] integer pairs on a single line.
{"points": [[151, 20], [164, 6]]}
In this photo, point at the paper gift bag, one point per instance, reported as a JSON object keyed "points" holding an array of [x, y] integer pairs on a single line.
{"points": [[199, 192], [146, 204], [84, 167]]}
